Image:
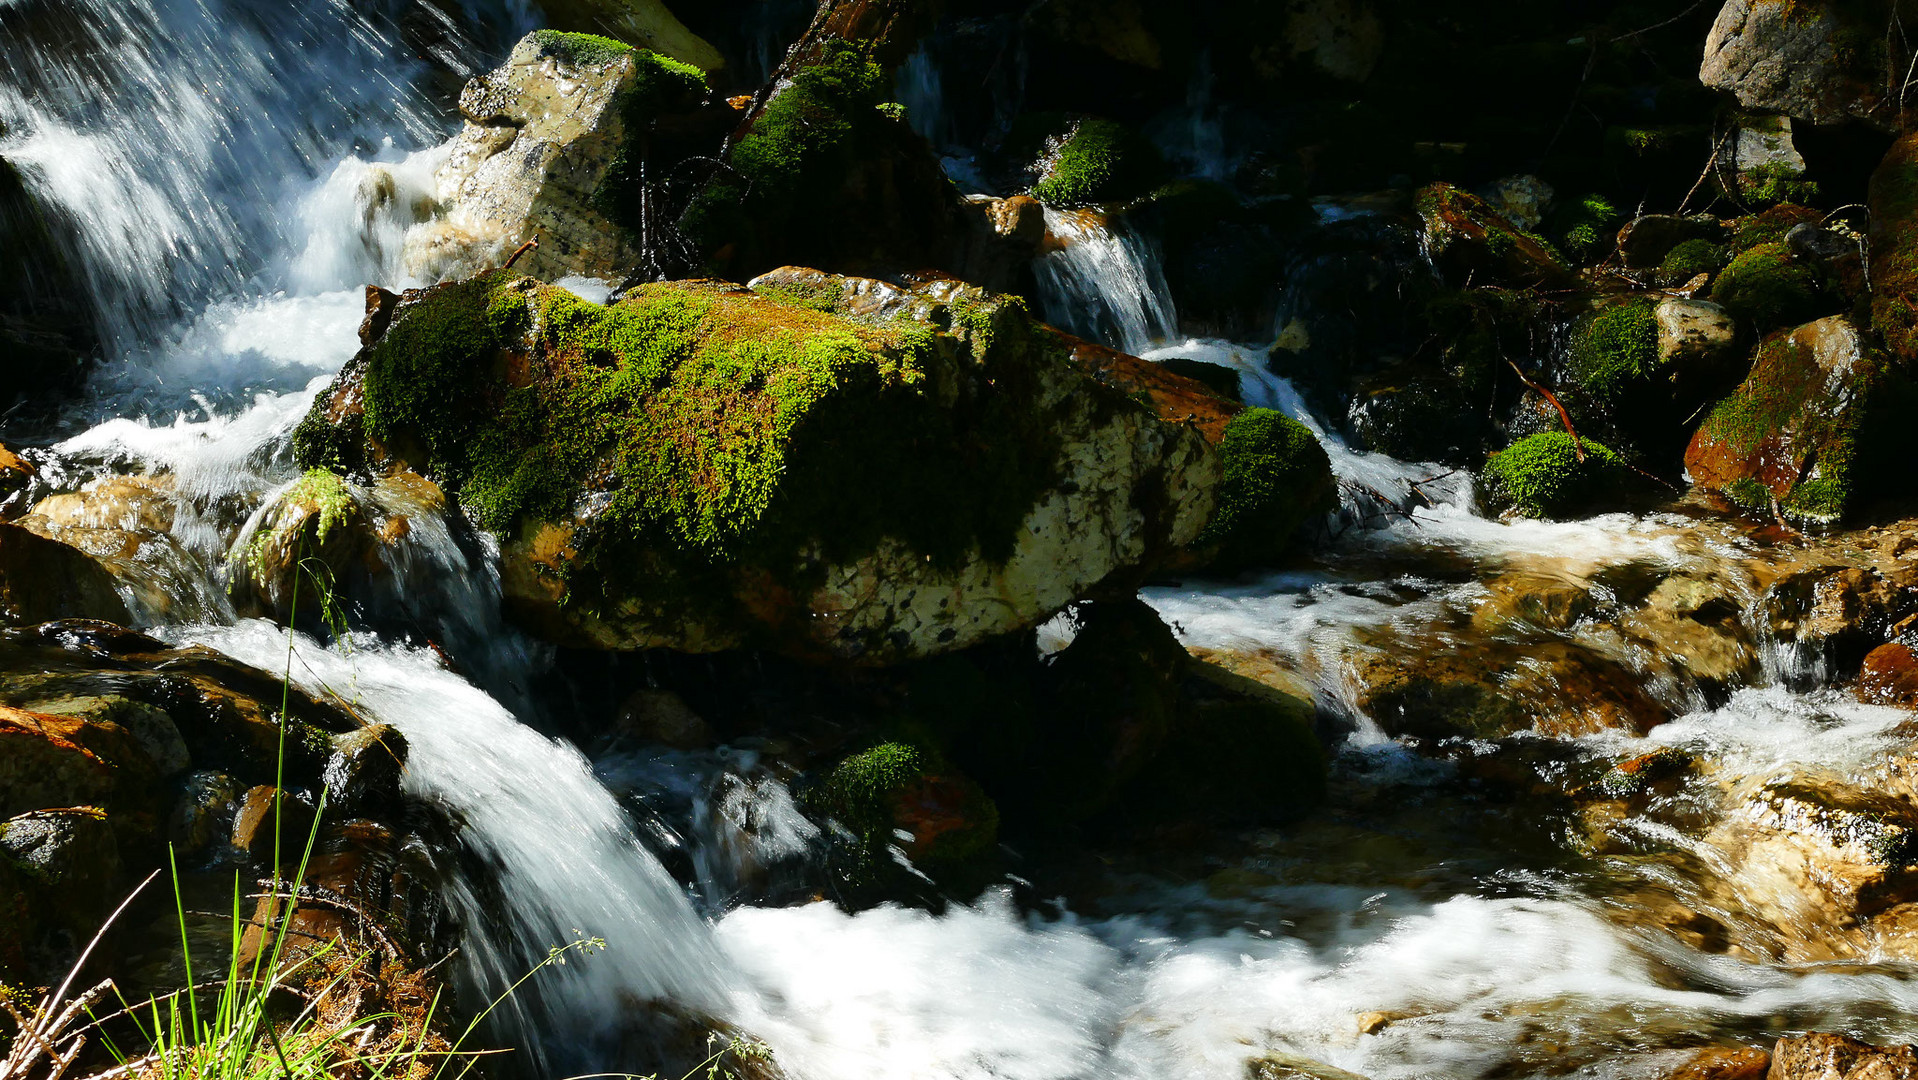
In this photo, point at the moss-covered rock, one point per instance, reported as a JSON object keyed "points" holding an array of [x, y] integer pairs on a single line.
{"points": [[1689, 259], [1803, 428], [672, 470], [821, 175], [1543, 476], [1894, 249], [1465, 236], [1277, 478], [899, 795], [1765, 288], [647, 24], [1097, 161]]}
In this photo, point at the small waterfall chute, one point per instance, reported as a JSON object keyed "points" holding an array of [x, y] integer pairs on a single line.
{"points": [[1103, 281]]}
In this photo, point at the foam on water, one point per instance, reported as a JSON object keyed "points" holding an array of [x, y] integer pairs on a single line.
{"points": [[562, 859]]}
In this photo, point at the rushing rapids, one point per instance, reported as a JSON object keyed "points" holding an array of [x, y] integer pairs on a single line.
{"points": [[228, 175]]}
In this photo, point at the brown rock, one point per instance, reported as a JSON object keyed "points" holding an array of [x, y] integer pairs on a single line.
{"points": [[1839, 1057], [42, 579], [1724, 1063], [125, 523], [16, 473], [1890, 677]]}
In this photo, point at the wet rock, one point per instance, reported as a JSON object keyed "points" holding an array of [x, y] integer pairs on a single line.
{"points": [[710, 506], [1818, 858], [127, 523], [1692, 626], [269, 819], [662, 717], [1890, 677], [542, 158], [1523, 200], [1552, 687], [1465, 236], [43, 579], [1795, 431], [1833, 615], [1343, 39], [899, 795], [363, 774], [204, 813], [1840, 1057], [1003, 236], [1283, 1066], [69, 850], [1821, 62], [44, 765], [1724, 1063], [1814, 242], [324, 539], [1697, 339], [16, 473], [643, 23]]}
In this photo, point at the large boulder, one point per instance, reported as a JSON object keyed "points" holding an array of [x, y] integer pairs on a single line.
{"points": [[1822, 61], [705, 467], [1797, 431], [126, 524], [552, 151]]}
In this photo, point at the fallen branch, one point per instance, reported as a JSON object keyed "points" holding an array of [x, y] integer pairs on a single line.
{"points": [[530, 245], [1578, 445]]}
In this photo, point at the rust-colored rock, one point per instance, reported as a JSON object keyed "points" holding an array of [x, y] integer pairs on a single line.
{"points": [[1466, 236], [1724, 1063], [1890, 677]]}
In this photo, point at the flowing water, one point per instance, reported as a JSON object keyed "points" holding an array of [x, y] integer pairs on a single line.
{"points": [[229, 173]]}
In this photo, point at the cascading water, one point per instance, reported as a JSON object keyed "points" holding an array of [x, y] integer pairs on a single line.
{"points": [[1103, 281], [228, 173]]}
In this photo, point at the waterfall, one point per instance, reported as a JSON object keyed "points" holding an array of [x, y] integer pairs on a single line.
{"points": [[1104, 282], [921, 92], [165, 139], [562, 860]]}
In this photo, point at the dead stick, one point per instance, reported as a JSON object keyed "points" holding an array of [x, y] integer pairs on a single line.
{"points": [[1578, 447], [530, 245]]}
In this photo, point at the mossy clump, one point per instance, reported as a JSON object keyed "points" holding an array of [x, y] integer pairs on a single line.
{"points": [[896, 787], [1765, 289], [1586, 226], [1618, 355], [1277, 477], [326, 492], [1689, 259], [1542, 476], [1894, 249], [798, 150], [590, 49], [1774, 184], [1099, 161]]}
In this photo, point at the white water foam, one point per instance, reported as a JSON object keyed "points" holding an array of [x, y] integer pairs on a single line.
{"points": [[563, 860], [1103, 281]]}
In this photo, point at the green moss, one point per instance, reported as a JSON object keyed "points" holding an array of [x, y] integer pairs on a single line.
{"points": [[660, 86], [1764, 289], [1541, 475], [869, 793], [326, 492], [693, 427], [581, 48], [320, 443], [1773, 184], [1277, 477], [1586, 225], [1101, 161], [1690, 259], [1619, 354], [1747, 493], [798, 151]]}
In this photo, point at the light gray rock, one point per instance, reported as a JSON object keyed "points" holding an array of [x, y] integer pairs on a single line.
{"points": [[1787, 58], [1694, 332]]}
